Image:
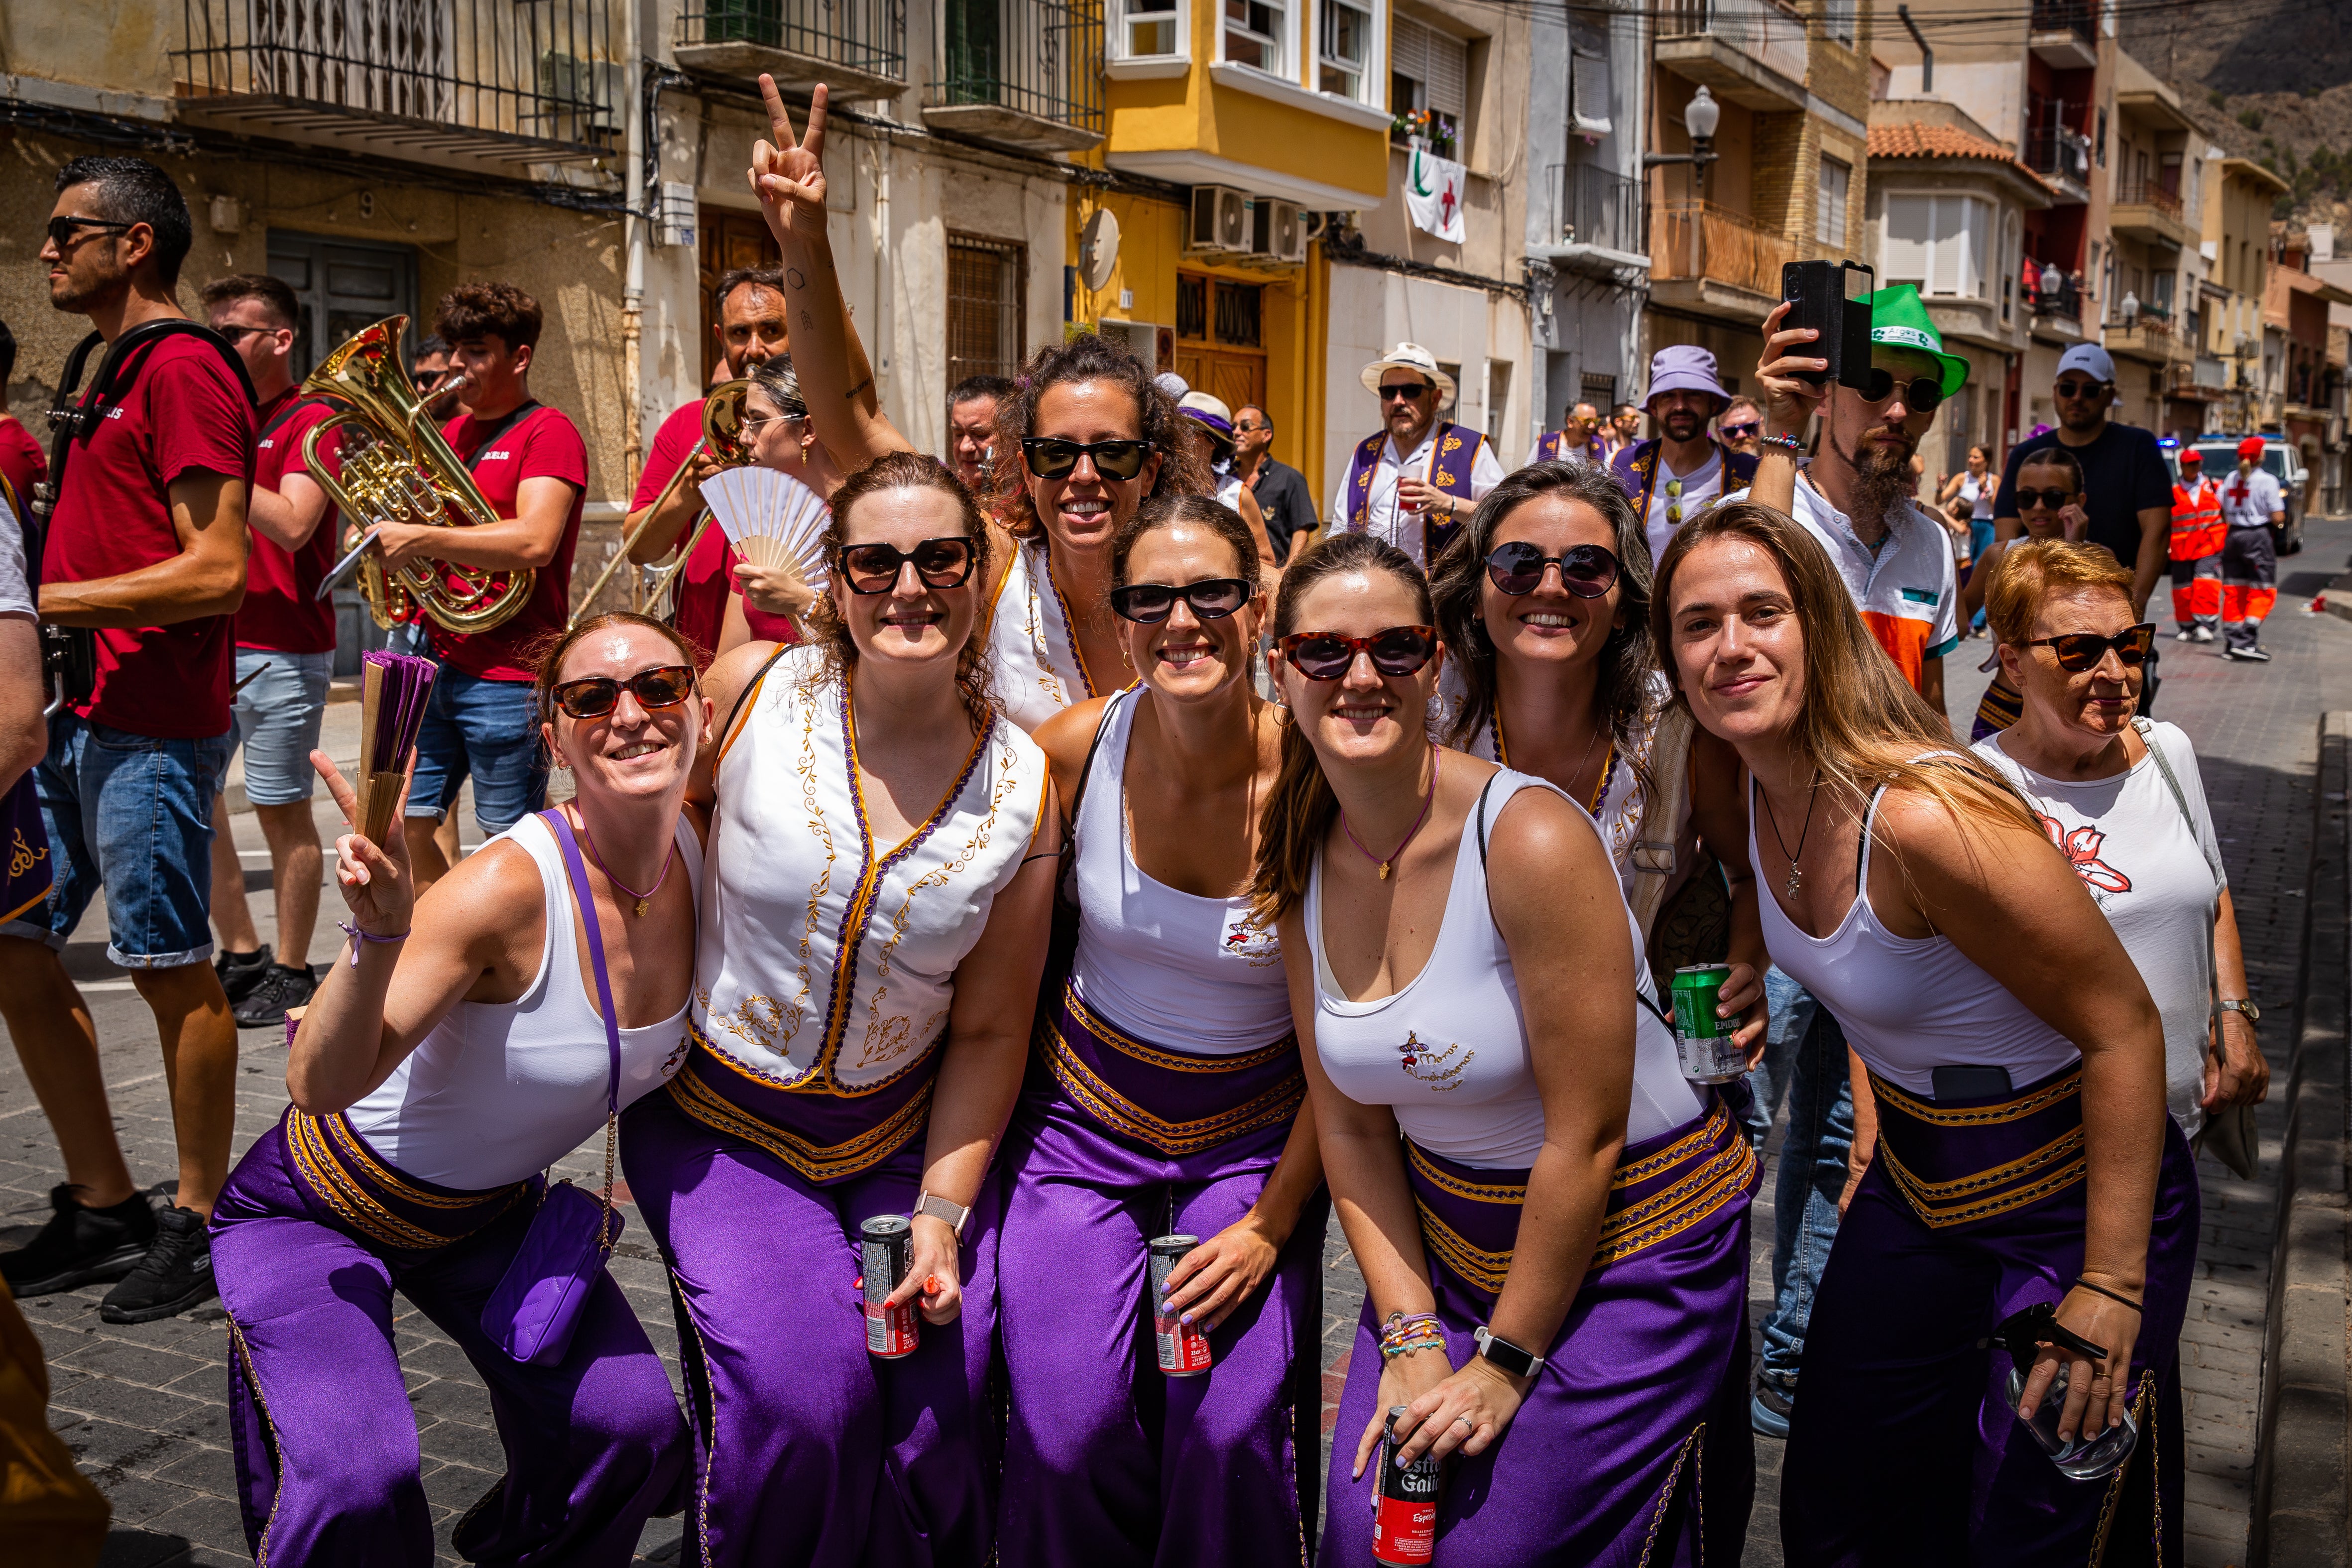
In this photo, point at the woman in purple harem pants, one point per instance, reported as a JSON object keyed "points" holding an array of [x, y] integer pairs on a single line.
{"points": [[1164, 1097], [433, 1078]]}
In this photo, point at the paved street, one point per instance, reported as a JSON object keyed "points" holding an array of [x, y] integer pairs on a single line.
{"points": [[144, 1408]]}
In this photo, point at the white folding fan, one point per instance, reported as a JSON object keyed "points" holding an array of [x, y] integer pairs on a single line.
{"points": [[773, 518]]}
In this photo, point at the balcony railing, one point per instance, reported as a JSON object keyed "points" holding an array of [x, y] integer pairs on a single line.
{"points": [[861, 42], [2059, 153], [535, 82], [1590, 205], [2062, 299], [2064, 17], [1765, 30], [1698, 240], [1038, 59], [2148, 193]]}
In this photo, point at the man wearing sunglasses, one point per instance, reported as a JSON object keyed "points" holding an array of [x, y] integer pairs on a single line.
{"points": [[2128, 489], [1683, 468], [1416, 481], [430, 370], [146, 550], [1741, 427], [1579, 439], [1283, 500]]}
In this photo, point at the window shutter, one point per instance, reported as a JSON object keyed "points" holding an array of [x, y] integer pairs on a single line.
{"points": [[1449, 73], [1408, 54], [1589, 94], [1908, 238]]}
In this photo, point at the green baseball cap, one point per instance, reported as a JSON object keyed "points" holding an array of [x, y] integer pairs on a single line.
{"points": [[1899, 320]]}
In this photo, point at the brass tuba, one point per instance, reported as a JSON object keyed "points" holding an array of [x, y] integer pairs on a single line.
{"points": [[403, 471], [722, 436]]}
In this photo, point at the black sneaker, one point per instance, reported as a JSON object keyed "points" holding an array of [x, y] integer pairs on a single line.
{"points": [[176, 1273], [81, 1246], [2249, 655], [265, 1004], [1770, 1410], [241, 972]]}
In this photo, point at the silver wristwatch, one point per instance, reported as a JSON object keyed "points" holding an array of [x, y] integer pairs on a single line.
{"points": [[955, 1216], [2242, 1004]]}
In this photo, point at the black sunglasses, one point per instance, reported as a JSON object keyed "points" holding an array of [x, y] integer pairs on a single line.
{"points": [[1408, 390], [665, 685], [2079, 651], [236, 335], [1329, 656], [1587, 571], [1919, 397], [61, 229], [2054, 500], [1149, 603], [943, 562], [2079, 389], [1051, 457], [1741, 432]]}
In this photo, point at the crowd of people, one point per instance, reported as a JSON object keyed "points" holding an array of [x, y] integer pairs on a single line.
{"points": [[992, 957]]}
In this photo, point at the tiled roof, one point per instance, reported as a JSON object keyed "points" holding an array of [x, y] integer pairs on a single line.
{"points": [[1919, 140]]}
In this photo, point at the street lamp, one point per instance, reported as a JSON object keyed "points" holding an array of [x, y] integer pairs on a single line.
{"points": [[1700, 117]]}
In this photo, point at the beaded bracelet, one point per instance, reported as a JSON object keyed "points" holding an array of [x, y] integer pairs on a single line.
{"points": [[359, 936], [1402, 1335], [1788, 444]]}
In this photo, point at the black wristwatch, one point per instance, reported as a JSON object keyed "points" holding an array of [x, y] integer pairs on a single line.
{"points": [[1504, 1355]]}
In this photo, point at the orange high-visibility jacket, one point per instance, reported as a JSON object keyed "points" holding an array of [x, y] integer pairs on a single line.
{"points": [[2197, 528]]}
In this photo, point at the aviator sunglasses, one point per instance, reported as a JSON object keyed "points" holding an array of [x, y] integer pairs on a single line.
{"points": [[665, 685], [1050, 458], [2079, 651], [1149, 603], [943, 562], [1587, 571], [1328, 656], [1919, 397]]}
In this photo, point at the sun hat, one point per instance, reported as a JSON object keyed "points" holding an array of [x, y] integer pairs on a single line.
{"points": [[1684, 367], [1410, 356], [2090, 359], [2251, 449], [1209, 410], [1900, 320]]}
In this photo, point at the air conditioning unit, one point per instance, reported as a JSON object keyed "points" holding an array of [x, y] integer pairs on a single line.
{"points": [[1221, 218], [1278, 231]]}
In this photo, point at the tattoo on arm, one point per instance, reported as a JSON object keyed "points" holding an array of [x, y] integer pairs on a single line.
{"points": [[795, 277], [808, 322], [858, 388]]}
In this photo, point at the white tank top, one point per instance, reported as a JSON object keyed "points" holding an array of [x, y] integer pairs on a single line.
{"points": [[1171, 967], [499, 1089], [1229, 491], [1038, 672], [1909, 1005], [826, 960], [1449, 1051]]}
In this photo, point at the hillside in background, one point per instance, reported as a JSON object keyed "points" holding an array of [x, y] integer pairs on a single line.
{"points": [[2268, 79]]}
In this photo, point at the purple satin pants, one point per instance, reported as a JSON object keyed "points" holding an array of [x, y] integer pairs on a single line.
{"points": [[326, 1443], [808, 1450]]}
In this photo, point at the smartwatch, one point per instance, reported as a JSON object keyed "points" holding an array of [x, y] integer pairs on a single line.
{"points": [[1504, 1355], [955, 1216]]}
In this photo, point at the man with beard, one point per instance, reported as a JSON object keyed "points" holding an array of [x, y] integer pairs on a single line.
{"points": [[1675, 474], [1623, 429], [1415, 483]]}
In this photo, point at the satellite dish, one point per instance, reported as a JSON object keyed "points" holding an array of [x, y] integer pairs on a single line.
{"points": [[1098, 249]]}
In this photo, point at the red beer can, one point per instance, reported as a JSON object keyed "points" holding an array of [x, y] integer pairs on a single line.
{"points": [[886, 1251], [1183, 1349], [1404, 1505]]}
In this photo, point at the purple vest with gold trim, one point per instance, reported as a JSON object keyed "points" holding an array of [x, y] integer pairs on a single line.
{"points": [[1457, 453]]}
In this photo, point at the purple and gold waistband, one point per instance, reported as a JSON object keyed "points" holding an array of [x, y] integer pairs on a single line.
{"points": [[826, 1138], [1958, 1162], [1663, 1186], [1178, 1102], [387, 1206]]}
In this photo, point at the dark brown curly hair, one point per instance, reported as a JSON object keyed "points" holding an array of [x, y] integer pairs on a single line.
{"points": [[1090, 357]]}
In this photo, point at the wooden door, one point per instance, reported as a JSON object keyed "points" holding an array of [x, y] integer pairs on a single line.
{"points": [[728, 240], [1220, 340]]}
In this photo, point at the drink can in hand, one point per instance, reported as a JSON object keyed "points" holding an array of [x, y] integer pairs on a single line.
{"points": [[1404, 1505], [1183, 1348], [1702, 1041], [886, 1253]]}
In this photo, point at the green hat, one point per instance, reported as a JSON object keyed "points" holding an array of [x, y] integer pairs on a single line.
{"points": [[1900, 320]]}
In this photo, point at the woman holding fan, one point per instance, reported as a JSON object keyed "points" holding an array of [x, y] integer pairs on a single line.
{"points": [[773, 593], [459, 1046]]}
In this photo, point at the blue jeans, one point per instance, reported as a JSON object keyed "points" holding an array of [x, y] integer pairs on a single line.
{"points": [[131, 814], [278, 719], [1979, 541], [485, 729], [1804, 1058]]}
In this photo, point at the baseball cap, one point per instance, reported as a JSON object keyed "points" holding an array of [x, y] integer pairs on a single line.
{"points": [[2090, 359], [2191, 454], [2250, 450]]}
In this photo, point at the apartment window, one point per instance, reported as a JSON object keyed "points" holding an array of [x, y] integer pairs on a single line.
{"points": [[1600, 391], [1253, 35], [1429, 75], [1498, 396], [1829, 202], [1343, 42], [1940, 243], [1838, 17], [2009, 265], [2102, 144], [1588, 90], [1151, 28], [986, 281]]}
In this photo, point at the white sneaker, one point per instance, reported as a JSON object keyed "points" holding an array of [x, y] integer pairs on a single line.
{"points": [[2204, 634], [2186, 634]]}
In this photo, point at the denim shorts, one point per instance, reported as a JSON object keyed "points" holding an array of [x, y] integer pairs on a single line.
{"points": [[488, 730], [132, 815], [278, 719]]}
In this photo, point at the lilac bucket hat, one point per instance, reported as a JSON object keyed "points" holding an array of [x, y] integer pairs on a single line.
{"points": [[1684, 367]]}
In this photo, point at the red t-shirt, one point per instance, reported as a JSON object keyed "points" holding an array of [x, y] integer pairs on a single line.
{"points": [[21, 457], [542, 444], [185, 413], [283, 611]]}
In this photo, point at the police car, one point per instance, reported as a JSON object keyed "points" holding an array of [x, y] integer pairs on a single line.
{"points": [[2219, 454]]}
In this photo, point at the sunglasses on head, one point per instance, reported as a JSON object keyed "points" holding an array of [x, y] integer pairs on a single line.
{"points": [[1051, 457], [664, 686], [1149, 603], [1587, 571], [944, 563], [61, 229], [1407, 390], [2079, 651], [2054, 500], [1329, 656], [1918, 396], [2080, 389]]}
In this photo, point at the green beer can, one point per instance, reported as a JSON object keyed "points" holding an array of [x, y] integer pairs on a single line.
{"points": [[1702, 1040]]}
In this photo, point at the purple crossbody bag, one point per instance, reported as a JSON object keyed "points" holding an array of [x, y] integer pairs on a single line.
{"points": [[531, 1314]]}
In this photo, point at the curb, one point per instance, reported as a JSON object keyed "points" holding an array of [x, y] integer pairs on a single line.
{"points": [[2305, 1429], [2339, 596]]}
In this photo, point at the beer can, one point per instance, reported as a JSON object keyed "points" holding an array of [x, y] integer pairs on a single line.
{"points": [[1702, 1041], [886, 1253], [1183, 1348], [1404, 1505]]}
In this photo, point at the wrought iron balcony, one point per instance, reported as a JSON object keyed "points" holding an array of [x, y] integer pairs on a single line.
{"points": [[1591, 206], [513, 80], [858, 48], [2062, 156], [1748, 52], [2063, 35], [1028, 72]]}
